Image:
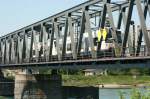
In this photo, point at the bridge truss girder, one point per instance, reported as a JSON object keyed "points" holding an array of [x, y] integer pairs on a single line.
{"points": [[34, 43]]}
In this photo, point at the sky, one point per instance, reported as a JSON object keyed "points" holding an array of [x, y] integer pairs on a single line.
{"points": [[15, 14]]}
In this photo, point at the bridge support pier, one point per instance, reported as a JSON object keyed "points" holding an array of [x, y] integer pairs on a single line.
{"points": [[1, 73], [6, 85], [29, 86]]}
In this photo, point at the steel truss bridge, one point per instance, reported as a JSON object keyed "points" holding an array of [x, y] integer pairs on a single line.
{"points": [[76, 38]]}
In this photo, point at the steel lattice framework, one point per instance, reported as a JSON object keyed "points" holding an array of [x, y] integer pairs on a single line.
{"points": [[46, 41]]}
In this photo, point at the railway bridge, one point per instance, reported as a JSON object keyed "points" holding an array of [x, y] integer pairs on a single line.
{"points": [[94, 34]]}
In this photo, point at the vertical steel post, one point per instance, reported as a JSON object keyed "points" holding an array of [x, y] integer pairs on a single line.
{"points": [[16, 49], [148, 3], [90, 36], [3, 46], [12, 53], [36, 44], [114, 31], [139, 41], [24, 46], [143, 26], [7, 51], [71, 30], [31, 43], [20, 47], [51, 40], [81, 33], [0, 51], [59, 54], [129, 15], [65, 39], [129, 42], [41, 43], [45, 43], [102, 20]]}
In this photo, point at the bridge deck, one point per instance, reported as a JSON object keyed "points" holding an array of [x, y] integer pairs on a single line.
{"points": [[124, 62]]}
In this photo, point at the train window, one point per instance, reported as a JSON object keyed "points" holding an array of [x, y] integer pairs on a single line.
{"points": [[109, 33], [55, 43], [61, 48], [79, 24], [50, 31], [109, 41], [60, 28], [119, 36], [68, 47], [95, 41], [33, 52]]}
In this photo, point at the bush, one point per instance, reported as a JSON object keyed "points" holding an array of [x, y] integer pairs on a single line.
{"points": [[136, 94]]}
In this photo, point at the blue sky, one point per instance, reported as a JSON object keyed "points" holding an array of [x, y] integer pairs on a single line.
{"points": [[15, 14]]}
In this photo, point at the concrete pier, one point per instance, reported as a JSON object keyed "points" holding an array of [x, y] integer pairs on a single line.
{"points": [[39, 86], [6, 86], [1, 73]]}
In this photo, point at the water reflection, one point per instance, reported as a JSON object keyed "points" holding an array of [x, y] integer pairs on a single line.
{"points": [[114, 93], [80, 92], [94, 93]]}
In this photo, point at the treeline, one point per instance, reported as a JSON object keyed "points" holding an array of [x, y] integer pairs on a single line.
{"points": [[114, 71], [130, 71]]}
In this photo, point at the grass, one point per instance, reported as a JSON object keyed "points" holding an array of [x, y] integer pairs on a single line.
{"points": [[81, 80], [1, 97]]}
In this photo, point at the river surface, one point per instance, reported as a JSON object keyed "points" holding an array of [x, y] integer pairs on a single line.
{"points": [[115, 93], [109, 93]]}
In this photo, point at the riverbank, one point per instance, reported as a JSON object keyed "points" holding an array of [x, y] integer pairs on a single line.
{"points": [[122, 86], [123, 81]]}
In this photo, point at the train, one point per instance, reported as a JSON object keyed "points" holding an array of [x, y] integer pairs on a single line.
{"points": [[99, 36]]}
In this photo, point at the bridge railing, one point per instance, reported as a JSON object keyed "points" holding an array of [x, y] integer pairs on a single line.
{"points": [[105, 54], [86, 56]]}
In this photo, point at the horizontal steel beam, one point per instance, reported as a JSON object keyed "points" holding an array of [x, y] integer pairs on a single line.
{"points": [[90, 63]]}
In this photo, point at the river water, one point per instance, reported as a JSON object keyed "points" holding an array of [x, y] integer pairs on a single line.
{"points": [[108, 93], [115, 93]]}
